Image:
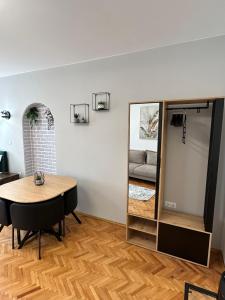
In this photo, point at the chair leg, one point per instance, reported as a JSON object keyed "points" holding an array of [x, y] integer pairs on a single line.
{"points": [[26, 237], [76, 217], [13, 237], [1, 227], [39, 244], [60, 228], [64, 228], [18, 236]]}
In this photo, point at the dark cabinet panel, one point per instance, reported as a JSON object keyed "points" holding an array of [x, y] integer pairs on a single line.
{"points": [[184, 243], [213, 162]]}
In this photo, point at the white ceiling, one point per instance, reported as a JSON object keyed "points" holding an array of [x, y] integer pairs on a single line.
{"points": [[40, 34]]}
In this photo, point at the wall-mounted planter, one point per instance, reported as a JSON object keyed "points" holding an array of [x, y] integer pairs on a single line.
{"points": [[32, 115], [79, 113], [50, 118], [101, 101], [5, 114]]}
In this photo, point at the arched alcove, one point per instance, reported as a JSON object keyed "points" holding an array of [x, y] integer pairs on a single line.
{"points": [[39, 141]]}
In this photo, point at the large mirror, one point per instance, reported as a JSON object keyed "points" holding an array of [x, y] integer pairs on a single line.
{"points": [[143, 168]]}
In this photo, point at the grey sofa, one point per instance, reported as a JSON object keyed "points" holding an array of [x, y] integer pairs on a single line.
{"points": [[143, 164]]}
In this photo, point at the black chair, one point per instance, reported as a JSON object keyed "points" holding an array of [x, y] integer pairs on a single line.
{"points": [[5, 219], [37, 218], [70, 203], [196, 292]]}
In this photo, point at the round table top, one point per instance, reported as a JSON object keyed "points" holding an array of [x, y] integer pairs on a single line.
{"points": [[25, 191]]}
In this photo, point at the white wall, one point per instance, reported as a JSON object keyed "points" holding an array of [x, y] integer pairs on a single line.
{"points": [[135, 142], [186, 164], [97, 154]]}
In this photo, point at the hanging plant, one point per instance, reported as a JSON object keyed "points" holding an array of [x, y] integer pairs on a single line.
{"points": [[49, 118], [32, 115]]}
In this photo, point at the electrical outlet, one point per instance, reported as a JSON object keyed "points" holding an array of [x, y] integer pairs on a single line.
{"points": [[173, 205], [170, 204], [166, 204]]}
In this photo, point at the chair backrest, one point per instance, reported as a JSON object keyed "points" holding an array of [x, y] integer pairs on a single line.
{"points": [[70, 200], [36, 216], [3, 162], [221, 291], [5, 218]]}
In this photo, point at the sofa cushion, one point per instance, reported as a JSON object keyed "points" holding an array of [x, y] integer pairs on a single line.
{"points": [[132, 166], [151, 157], [137, 156], [148, 171]]}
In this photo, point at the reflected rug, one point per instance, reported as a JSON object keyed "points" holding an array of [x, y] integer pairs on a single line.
{"points": [[140, 193]]}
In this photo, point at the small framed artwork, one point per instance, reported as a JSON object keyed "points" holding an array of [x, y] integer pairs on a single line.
{"points": [[149, 121]]}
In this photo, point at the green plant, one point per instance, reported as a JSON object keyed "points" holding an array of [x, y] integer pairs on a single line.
{"points": [[32, 115], [77, 118], [101, 102]]}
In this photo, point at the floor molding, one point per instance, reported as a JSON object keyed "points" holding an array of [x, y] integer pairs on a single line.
{"points": [[101, 219]]}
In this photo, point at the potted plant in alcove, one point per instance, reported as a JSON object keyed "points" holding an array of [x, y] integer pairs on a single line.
{"points": [[32, 115]]}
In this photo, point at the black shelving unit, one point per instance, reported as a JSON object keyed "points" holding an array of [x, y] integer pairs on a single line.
{"points": [[79, 113], [101, 101]]}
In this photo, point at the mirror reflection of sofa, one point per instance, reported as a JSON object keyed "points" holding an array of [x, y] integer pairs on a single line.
{"points": [[143, 164]]}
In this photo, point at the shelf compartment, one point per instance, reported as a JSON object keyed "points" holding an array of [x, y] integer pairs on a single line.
{"points": [[142, 225], [182, 220], [142, 239]]}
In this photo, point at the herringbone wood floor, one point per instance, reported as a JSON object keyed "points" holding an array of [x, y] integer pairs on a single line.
{"points": [[95, 262]]}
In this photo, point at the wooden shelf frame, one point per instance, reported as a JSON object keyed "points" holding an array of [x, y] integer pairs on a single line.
{"points": [[143, 236], [163, 159]]}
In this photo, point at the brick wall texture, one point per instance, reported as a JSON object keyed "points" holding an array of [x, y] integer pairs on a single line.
{"points": [[39, 144]]}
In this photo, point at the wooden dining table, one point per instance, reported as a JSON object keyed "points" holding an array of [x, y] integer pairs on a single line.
{"points": [[25, 191]]}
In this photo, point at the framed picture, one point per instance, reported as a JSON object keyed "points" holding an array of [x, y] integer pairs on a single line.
{"points": [[149, 121]]}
